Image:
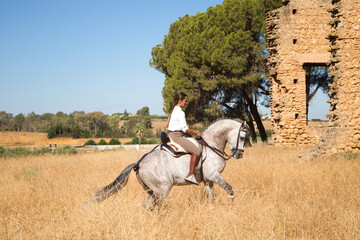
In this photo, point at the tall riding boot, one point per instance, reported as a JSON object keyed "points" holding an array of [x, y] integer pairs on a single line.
{"points": [[193, 162]]}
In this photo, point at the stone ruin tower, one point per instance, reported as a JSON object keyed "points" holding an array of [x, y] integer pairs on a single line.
{"points": [[320, 33]]}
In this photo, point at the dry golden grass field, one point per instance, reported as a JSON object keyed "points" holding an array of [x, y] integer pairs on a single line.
{"points": [[35, 140], [278, 196]]}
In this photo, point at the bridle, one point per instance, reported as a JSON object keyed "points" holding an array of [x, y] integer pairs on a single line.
{"points": [[242, 129], [222, 154]]}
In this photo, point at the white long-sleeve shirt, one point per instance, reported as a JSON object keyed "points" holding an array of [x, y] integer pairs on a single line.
{"points": [[177, 120]]}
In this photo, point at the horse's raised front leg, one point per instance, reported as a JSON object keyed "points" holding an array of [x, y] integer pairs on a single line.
{"points": [[219, 180]]}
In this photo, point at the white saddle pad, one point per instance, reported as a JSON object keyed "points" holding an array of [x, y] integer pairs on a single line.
{"points": [[179, 148]]}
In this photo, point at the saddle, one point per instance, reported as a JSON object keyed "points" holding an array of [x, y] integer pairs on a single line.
{"points": [[173, 148]]}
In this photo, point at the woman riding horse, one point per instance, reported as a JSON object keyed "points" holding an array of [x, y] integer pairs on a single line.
{"points": [[177, 127]]}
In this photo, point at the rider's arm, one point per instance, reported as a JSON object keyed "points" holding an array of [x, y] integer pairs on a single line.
{"points": [[192, 131], [180, 115]]}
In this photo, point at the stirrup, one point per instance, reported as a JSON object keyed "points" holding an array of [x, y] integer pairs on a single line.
{"points": [[192, 179]]}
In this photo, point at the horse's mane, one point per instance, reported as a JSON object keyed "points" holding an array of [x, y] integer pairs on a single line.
{"points": [[247, 138], [220, 120]]}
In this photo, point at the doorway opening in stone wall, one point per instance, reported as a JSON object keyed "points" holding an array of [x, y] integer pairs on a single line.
{"points": [[317, 88]]}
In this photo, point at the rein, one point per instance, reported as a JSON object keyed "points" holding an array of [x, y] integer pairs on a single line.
{"points": [[219, 152]]}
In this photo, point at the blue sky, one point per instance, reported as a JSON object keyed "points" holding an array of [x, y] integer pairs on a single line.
{"points": [[85, 55]]}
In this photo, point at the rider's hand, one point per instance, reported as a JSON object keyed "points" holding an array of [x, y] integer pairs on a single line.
{"points": [[197, 132], [192, 131]]}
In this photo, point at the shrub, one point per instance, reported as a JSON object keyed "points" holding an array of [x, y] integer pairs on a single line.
{"points": [[23, 151], [16, 152], [102, 142], [135, 140], [90, 142], [66, 149], [114, 141], [40, 151], [2, 150], [351, 155]]}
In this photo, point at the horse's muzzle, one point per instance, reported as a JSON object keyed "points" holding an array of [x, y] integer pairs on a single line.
{"points": [[238, 153]]}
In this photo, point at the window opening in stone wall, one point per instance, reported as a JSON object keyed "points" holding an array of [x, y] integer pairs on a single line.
{"points": [[317, 88], [294, 41], [294, 11], [295, 81]]}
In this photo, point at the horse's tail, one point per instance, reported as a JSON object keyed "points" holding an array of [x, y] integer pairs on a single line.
{"points": [[113, 187]]}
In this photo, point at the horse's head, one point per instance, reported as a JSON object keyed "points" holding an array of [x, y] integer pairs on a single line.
{"points": [[239, 137]]}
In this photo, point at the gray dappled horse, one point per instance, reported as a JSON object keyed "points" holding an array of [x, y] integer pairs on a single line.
{"points": [[158, 171]]}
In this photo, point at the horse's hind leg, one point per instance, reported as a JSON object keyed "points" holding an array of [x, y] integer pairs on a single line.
{"points": [[209, 190], [148, 203], [149, 194], [154, 200], [149, 200]]}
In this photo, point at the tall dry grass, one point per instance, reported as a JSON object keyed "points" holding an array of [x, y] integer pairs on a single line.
{"points": [[278, 196]]}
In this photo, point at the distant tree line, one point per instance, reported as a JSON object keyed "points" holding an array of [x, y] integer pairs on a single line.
{"points": [[79, 124]]}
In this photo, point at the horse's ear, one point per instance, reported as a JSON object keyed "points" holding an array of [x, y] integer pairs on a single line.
{"points": [[243, 124]]}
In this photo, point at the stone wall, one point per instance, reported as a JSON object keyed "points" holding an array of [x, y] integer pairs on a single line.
{"points": [[343, 133], [315, 32], [296, 36]]}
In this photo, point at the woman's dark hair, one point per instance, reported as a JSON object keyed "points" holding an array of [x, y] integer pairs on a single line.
{"points": [[179, 97]]}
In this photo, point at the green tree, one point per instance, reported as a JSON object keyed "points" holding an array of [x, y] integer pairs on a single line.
{"points": [[130, 125], [113, 121], [144, 117], [59, 130], [139, 130], [43, 122], [218, 59], [97, 122], [317, 78], [5, 120], [94, 122], [143, 111], [30, 119]]}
